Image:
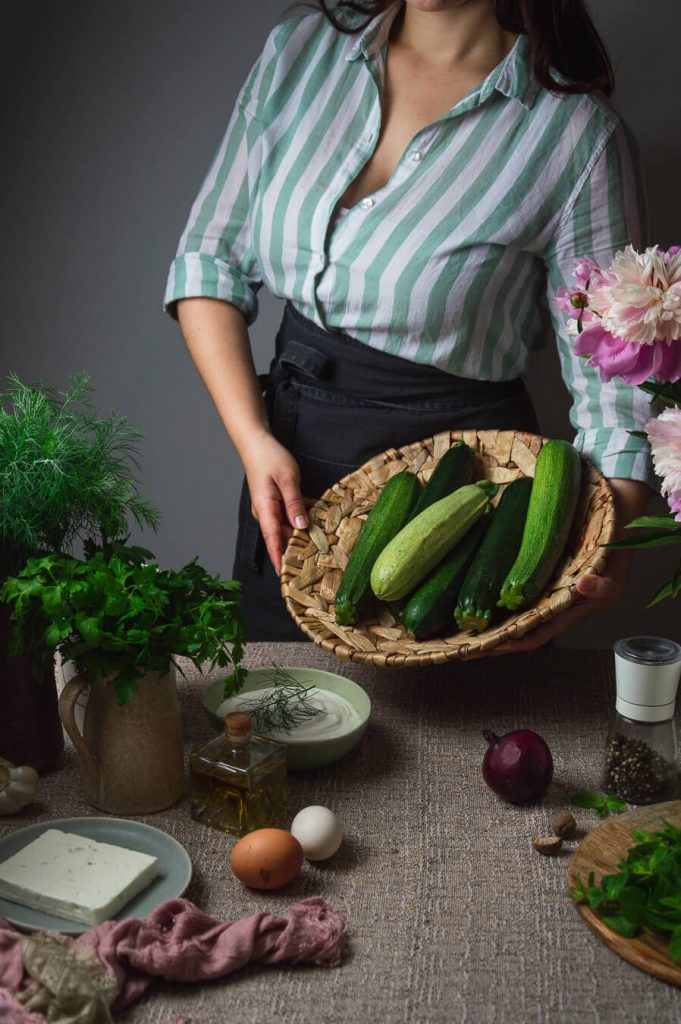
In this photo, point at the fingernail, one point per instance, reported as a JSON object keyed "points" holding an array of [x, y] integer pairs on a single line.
{"points": [[587, 585], [300, 522]]}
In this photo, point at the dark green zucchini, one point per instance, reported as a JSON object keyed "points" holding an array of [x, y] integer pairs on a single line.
{"points": [[481, 588], [452, 470], [387, 517], [553, 500], [430, 608]]}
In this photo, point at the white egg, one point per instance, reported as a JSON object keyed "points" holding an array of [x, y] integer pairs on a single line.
{"points": [[318, 831]]}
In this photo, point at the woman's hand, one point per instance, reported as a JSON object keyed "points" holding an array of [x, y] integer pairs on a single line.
{"points": [[596, 593], [276, 502]]}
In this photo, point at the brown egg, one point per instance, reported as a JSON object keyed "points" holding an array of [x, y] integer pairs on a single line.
{"points": [[267, 858]]}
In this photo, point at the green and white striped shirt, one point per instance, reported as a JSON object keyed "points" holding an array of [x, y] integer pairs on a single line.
{"points": [[455, 261]]}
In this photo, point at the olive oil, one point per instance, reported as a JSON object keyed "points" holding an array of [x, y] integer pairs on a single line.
{"points": [[238, 781]]}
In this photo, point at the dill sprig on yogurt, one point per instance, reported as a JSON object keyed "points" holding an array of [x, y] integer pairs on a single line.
{"points": [[285, 704]]}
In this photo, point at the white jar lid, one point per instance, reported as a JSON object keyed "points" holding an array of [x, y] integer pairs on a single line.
{"points": [[647, 672]]}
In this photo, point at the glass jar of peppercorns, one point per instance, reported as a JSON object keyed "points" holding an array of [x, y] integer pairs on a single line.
{"points": [[641, 752]]}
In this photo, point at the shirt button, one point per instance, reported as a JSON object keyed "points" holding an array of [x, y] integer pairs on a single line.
{"points": [[416, 156], [368, 203]]}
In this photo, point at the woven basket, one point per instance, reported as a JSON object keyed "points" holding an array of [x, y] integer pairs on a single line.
{"points": [[315, 558]]}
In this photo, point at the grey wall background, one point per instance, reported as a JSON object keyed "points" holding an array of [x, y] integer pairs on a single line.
{"points": [[111, 113]]}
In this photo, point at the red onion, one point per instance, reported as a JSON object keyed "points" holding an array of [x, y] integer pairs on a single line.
{"points": [[517, 766]]}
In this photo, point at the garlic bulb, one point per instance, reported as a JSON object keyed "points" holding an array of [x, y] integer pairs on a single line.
{"points": [[18, 787]]}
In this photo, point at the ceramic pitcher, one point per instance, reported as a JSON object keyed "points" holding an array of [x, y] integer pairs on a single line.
{"points": [[131, 755]]}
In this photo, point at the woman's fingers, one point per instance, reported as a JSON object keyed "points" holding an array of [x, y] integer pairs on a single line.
{"points": [[294, 504], [595, 594], [596, 588], [267, 511], [276, 502]]}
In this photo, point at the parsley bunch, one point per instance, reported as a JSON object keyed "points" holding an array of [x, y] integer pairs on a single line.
{"points": [[645, 892], [118, 615]]}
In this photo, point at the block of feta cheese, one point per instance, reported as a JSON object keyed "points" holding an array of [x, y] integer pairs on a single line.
{"points": [[74, 877]]}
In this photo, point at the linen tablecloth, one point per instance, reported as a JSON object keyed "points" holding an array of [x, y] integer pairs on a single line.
{"points": [[452, 916]]}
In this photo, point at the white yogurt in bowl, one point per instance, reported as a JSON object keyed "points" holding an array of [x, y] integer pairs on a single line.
{"points": [[315, 741], [337, 717]]}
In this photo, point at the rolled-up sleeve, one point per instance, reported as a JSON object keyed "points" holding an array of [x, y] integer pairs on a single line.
{"points": [[607, 213], [215, 256]]}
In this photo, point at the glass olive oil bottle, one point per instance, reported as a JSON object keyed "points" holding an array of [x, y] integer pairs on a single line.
{"points": [[238, 780]]}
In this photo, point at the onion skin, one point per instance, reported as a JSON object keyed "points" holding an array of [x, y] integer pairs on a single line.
{"points": [[518, 767]]}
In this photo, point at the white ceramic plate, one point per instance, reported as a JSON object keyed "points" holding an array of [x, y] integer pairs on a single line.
{"points": [[175, 867]]}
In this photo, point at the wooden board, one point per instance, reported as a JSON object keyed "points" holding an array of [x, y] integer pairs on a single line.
{"points": [[601, 851]]}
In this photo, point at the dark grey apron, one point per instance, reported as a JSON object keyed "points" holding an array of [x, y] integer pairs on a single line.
{"points": [[334, 403]]}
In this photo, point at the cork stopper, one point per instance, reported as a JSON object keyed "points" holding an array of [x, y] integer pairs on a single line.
{"points": [[238, 728]]}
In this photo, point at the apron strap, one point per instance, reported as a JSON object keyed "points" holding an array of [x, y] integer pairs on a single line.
{"points": [[296, 360]]}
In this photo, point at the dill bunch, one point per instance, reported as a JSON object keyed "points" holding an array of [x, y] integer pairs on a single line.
{"points": [[65, 473], [284, 704]]}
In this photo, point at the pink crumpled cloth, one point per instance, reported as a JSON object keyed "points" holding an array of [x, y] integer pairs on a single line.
{"points": [[178, 942]]}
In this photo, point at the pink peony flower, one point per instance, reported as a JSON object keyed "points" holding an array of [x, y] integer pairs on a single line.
{"points": [[583, 270], [626, 359], [664, 434], [632, 321]]}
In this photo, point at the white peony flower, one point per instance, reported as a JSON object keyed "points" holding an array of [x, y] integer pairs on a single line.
{"points": [[639, 297], [664, 434]]}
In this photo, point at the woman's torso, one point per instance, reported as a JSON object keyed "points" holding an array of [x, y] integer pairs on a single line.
{"points": [[441, 255], [413, 96]]}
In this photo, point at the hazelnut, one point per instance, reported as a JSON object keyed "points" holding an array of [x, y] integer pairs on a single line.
{"points": [[549, 846], [564, 825]]}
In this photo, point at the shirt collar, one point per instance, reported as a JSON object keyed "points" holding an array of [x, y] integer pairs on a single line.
{"points": [[375, 34], [513, 77]]}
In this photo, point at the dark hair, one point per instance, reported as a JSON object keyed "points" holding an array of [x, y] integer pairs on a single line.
{"points": [[560, 32]]}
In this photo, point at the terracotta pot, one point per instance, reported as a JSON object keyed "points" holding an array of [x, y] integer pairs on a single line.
{"points": [[131, 756], [30, 729]]}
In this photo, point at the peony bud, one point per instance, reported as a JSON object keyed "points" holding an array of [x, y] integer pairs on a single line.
{"points": [[579, 300]]}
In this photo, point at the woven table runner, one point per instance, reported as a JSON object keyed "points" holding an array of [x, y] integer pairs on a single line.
{"points": [[452, 916]]}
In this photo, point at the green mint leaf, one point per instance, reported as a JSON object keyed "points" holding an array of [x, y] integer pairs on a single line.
{"points": [[646, 891], [620, 925], [671, 901], [614, 884], [587, 799], [578, 892], [675, 944]]}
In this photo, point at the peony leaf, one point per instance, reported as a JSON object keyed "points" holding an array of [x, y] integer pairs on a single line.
{"points": [[655, 539], [663, 593], [666, 522]]}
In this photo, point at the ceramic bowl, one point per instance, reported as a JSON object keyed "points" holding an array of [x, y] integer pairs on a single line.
{"points": [[303, 753]]}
